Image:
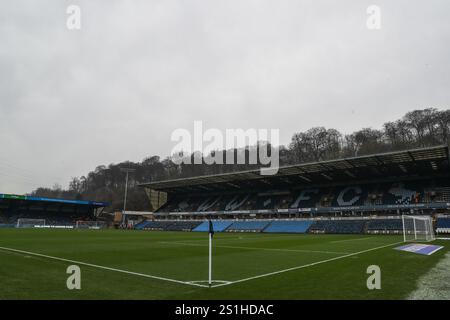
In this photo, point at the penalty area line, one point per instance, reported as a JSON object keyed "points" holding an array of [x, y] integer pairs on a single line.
{"points": [[103, 267], [346, 240], [252, 248], [305, 266]]}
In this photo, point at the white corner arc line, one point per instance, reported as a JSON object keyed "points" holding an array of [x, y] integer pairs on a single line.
{"points": [[103, 267], [305, 266], [206, 281]]}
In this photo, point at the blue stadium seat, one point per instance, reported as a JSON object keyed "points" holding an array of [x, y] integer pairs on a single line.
{"points": [[248, 226], [182, 226], [385, 225], [141, 225], [280, 226], [337, 226], [219, 226], [155, 225], [443, 225]]}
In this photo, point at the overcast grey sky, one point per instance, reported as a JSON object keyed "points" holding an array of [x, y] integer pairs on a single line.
{"points": [[138, 69]]}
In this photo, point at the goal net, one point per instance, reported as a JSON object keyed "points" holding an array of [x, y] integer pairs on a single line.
{"points": [[417, 228], [90, 225], [30, 223]]}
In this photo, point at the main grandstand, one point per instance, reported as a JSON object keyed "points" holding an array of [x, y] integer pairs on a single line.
{"points": [[312, 230], [366, 194], [47, 212]]}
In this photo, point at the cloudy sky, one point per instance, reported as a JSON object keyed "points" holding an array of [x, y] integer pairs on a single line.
{"points": [[137, 70]]}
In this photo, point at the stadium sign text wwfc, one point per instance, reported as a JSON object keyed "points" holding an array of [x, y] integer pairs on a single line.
{"points": [[209, 146]]}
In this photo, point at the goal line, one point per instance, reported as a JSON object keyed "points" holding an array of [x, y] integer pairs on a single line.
{"points": [[102, 267]]}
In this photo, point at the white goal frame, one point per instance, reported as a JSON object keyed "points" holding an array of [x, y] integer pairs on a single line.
{"points": [[30, 223], [417, 228], [90, 224]]}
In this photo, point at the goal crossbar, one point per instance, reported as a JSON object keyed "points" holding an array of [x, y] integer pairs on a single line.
{"points": [[417, 228], [89, 224], [29, 223]]}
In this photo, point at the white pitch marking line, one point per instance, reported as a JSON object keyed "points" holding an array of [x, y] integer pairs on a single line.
{"points": [[437, 249], [253, 248], [206, 281], [247, 236], [358, 239], [306, 265], [102, 267]]}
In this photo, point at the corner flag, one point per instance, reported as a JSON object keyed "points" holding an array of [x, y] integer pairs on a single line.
{"points": [[211, 228]]}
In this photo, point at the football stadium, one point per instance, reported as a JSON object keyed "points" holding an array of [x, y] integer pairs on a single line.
{"points": [[312, 231], [224, 159]]}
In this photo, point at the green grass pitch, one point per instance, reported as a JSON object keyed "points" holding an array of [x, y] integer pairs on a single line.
{"points": [[174, 265]]}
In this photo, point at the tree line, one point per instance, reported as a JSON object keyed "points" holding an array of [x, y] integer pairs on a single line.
{"points": [[418, 128]]}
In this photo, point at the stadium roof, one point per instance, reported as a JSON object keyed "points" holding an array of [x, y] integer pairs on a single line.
{"points": [[53, 200], [411, 163]]}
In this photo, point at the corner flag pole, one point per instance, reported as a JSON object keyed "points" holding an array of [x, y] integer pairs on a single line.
{"points": [[211, 233]]}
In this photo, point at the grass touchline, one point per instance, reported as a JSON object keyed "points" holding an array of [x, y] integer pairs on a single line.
{"points": [[101, 267]]}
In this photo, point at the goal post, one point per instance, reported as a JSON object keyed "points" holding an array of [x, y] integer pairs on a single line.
{"points": [[30, 223], [417, 228], [90, 225]]}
